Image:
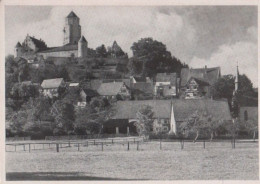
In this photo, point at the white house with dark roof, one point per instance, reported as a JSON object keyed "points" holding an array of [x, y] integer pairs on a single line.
{"points": [[196, 82], [166, 84], [50, 87]]}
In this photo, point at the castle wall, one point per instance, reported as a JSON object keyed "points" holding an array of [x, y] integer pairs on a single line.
{"points": [[59, 54]]}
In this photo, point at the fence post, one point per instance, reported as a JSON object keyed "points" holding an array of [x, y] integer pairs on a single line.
{"points": [[204, 144], [128, 146], [24, 147], [29, 147], [69, 143], [78, 146], [134, 140], [15, 147], [87, 143], [102, 146], [234, 143], [160, 144], [49, 145], [137, 148], [57, 147], [112, 141], [94, 142]]}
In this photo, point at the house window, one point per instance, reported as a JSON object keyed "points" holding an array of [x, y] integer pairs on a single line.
{"points": [[245, 116]]}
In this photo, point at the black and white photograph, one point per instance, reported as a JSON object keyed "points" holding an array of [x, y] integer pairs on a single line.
{"points": [[149, 92]]}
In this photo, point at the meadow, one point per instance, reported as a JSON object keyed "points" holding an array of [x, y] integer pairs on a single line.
{"points": [[218, 161]]}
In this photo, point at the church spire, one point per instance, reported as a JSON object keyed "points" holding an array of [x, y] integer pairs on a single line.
{"points": [[237, 79]]}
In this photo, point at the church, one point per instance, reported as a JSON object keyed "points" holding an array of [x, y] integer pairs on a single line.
{"points": [[74, 44]]}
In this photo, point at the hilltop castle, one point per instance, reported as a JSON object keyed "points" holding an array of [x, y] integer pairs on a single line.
{"points": [[74, 44]]}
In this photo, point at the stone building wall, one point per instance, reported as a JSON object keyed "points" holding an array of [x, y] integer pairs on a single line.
{"points": [[59, 54]]}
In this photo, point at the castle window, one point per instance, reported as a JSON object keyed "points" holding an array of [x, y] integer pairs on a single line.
{"points": [[245, 116]]}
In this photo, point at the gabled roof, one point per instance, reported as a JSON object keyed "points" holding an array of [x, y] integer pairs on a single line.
{"points": [[39, 43], [109, 89], [200, 81], [71, 15], [209, 75], [143, 87], [183, 109], [166, 77], [18, 45], [82, 39], [67, 47], [52, 83]]}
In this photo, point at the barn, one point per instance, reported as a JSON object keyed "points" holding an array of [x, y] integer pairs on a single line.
{"points": [[125, 114]]}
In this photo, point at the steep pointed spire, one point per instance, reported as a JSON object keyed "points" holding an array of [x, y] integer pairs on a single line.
{"points": [[82, 39], [72, 14], [173, 128], [237, 79]]}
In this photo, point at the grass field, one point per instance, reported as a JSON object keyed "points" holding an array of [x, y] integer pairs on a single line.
{"points": [[218, 161]]}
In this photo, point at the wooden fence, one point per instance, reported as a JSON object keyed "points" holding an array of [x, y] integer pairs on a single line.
{"points": [[29, 146], [133, 142]]}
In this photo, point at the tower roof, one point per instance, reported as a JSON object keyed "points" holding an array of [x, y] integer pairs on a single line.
{"points": [[18, 45], [72, 14], [82, 39]]}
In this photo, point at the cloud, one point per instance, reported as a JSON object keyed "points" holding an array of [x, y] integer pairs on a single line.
{"points": [[227, 56]]}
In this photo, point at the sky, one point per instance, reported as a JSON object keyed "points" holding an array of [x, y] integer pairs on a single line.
{"points": [[197, 35]]}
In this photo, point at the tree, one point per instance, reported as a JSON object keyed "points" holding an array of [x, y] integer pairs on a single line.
{"points": [[91, 118], [64, 116], [21, 91], [251, 126], [201, 124], [224, 87], [145, 120], [246, 86], [152, 56], [101, 51], [150, 53]]}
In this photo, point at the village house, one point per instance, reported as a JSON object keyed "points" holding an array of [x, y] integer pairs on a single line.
{"points": [[196, 83], [166, 112], [166, 85], [50, 87], [112, 90]]}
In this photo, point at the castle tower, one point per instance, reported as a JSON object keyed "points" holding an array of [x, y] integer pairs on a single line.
{"points": [[18, 50], [237, 80], [82, 47], [72, 29]]}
